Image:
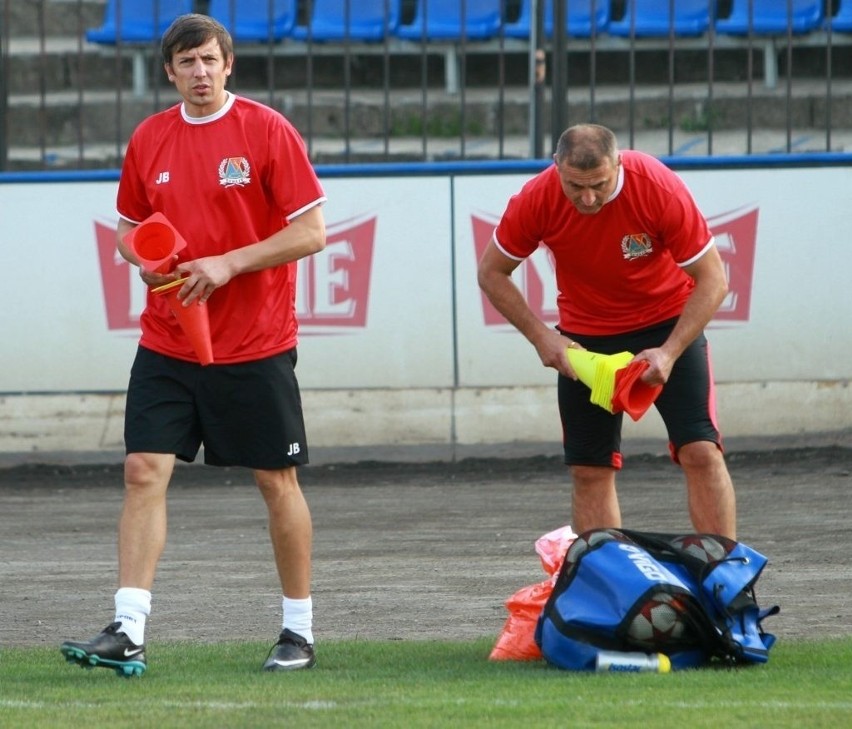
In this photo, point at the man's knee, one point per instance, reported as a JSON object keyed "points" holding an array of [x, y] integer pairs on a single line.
{"points": [[592, 477], [278, 482], [700, 455], [143, 470]]}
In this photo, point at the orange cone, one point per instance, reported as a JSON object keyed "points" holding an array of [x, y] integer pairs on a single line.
{"points": [[155, 242], [631, 394], [193, 319]]}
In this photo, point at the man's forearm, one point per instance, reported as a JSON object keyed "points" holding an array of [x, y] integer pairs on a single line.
{"points": [[508, 300], [698, 312]]}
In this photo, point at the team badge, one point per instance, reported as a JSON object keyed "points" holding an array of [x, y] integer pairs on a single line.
{"points": [[234, 171], [636, 245]]}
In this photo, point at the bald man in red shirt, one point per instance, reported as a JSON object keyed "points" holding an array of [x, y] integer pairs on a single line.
{"points": [[637, 270]]}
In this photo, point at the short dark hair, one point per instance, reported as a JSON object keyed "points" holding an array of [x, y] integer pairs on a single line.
{"points": [[586, 146], [192, 30]]}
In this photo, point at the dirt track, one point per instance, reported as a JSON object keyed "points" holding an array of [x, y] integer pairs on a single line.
{"points": [[401, 551]]}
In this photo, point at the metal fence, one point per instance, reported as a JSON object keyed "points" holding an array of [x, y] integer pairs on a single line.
{"points": [[692, 77]]}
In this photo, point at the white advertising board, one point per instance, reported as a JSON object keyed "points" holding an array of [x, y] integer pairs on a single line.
{"points": [[388, 250], [398, 345], [796, 325], [375, 305], [53, 312], [780, 232]]}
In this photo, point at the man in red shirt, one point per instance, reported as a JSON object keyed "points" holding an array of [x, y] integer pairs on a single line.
{"points": [[637, 270], [234, 179]]}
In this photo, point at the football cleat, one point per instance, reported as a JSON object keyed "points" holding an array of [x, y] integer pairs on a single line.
{"points": [[290, 653], [110, 648]]}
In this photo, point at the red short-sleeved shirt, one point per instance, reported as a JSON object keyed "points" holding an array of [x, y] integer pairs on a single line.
{"points": [[224, 181], [620, 269]]}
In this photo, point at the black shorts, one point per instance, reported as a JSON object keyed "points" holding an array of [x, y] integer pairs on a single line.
{"points": [[591, 435], [247, 414]]}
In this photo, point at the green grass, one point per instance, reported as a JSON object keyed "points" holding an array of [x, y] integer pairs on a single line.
{"points": [[420, 684]]}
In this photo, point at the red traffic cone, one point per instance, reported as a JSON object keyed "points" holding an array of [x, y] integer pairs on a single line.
{"points": [[631, 394], [155, 242], [193, 319]]}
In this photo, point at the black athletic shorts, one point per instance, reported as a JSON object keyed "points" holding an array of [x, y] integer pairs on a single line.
{"points": [[247, 414], [592, 436]]}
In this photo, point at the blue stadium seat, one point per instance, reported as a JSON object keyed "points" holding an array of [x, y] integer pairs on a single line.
{"points": [[250, 21], [365, 20], [772, 17], [841, 21], [656, 18], [443, 20], [583, 18], [137, 21]]}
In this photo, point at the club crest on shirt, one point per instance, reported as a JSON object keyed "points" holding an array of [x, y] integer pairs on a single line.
{"points": [[234, 171], [636, 245]]}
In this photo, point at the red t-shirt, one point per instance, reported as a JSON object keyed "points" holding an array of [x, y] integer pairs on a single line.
{"points": [[618, 270], [225, 181]]}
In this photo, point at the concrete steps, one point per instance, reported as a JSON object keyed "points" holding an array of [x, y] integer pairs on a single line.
{"points": [[72, 104], [102, 120]]}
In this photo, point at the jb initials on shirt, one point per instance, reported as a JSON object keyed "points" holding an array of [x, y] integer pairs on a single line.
{"points": [[163, 178]]}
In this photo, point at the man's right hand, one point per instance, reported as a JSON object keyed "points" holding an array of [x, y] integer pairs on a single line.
{"points": [[551, 348]]}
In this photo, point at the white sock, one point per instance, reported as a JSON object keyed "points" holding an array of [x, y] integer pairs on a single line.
{"points": [[132, 607], [298, 617]]}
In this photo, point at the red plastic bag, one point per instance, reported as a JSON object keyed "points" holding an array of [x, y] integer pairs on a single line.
{"points": [[551, 548], [516, 641]]}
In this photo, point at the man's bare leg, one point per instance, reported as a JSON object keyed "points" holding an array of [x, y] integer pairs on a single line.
{"points": [[595, 501], [710, 491], [291, 533], [290, 529], [142, 526]]}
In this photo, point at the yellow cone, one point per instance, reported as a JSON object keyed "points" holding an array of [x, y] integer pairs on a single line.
{"points": [[584, 364], [605, 378], [597, 372]]}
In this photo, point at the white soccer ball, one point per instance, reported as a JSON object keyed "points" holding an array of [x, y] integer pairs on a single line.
{"points": [[658, 622], [582, 543], [702, 547]]}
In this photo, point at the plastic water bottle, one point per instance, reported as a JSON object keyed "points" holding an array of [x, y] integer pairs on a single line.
{"points": [[628, 662]]}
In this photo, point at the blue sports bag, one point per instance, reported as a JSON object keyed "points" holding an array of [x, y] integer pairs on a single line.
{"points": [[689, 596]]}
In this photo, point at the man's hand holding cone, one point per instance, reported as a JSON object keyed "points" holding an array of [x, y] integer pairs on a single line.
{"points": [[631, 394], [614, 381], [193, 319], [156, 243]]}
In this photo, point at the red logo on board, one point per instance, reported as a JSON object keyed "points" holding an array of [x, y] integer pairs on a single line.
{"points": [[736, 239], [333, 287]]}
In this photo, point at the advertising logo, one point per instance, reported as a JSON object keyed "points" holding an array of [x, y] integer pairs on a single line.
{"points": [[736, 239], [333, 288]]}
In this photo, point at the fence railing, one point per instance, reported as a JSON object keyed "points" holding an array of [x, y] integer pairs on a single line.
{"points": [[408, 80]]}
